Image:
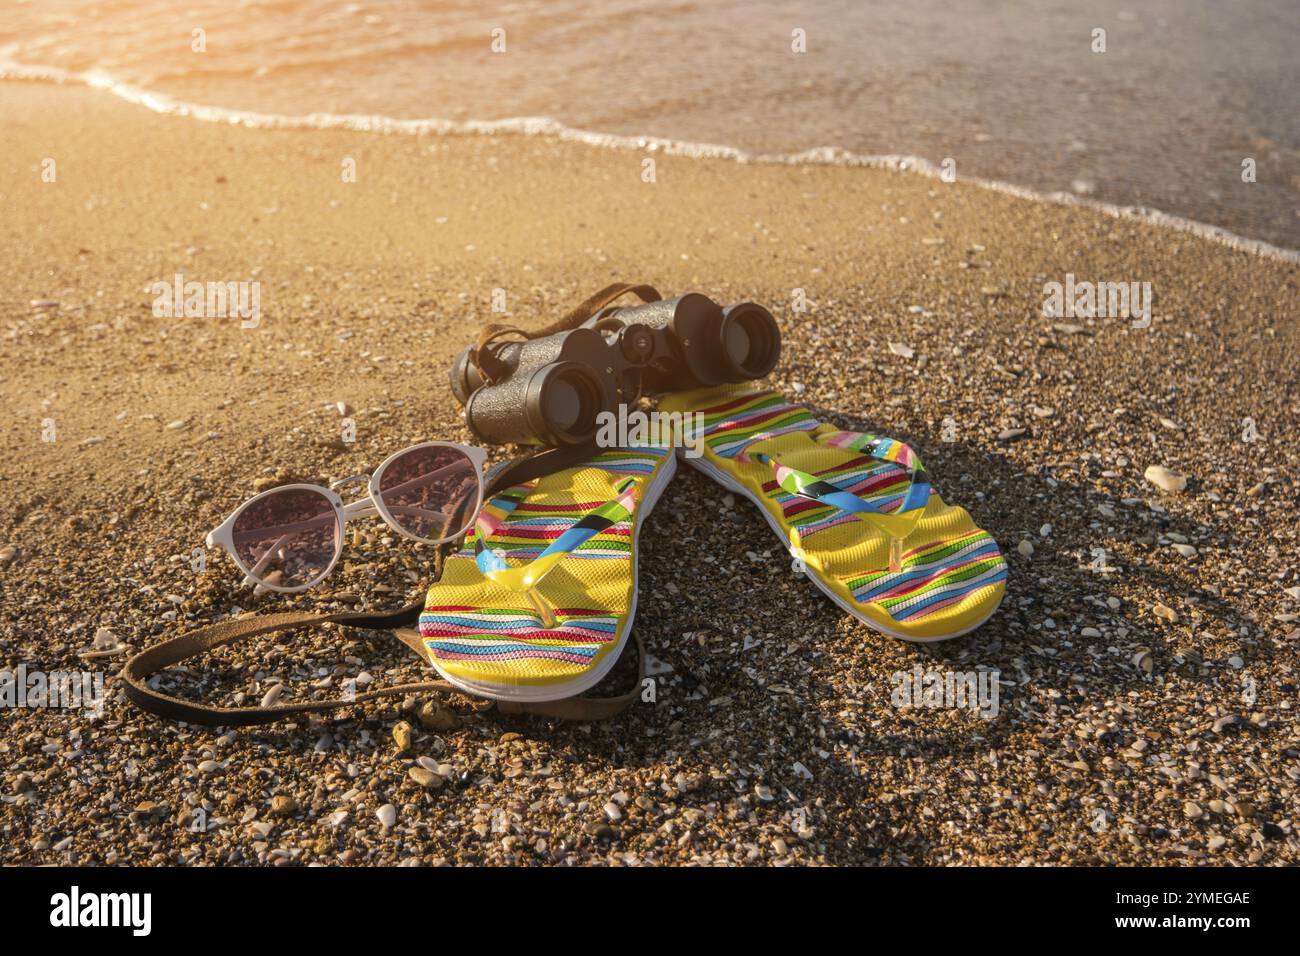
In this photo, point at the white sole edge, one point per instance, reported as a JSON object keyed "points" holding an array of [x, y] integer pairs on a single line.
{"points": [[526, 693]]}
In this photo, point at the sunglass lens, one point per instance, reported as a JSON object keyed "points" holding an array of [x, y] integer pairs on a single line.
{"points": [[288, 538], [430, 492]]}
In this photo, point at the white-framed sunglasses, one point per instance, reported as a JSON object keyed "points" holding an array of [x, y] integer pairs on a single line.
{"points": [[289, 538]]}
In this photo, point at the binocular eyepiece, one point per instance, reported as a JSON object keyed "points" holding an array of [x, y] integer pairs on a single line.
{"points": [[554, 388]]}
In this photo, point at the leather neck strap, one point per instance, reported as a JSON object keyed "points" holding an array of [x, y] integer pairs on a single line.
{"points": [[137, 671], [147, 663]]}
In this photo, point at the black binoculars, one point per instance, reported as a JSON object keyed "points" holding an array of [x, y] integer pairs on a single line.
{"points": [[552, 389]]}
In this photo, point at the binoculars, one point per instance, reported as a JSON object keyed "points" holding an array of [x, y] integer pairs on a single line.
{"points": [[552, 389]]}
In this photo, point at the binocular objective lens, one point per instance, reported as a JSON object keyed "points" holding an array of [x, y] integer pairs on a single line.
{"points": [[751, 342], [563, 405], [737, 344]]}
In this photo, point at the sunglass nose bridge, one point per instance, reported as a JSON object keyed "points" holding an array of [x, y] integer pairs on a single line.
{"points": [[336, 485]]}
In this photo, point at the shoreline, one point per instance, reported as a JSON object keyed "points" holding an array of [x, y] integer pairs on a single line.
{"points": [[11, 71]]}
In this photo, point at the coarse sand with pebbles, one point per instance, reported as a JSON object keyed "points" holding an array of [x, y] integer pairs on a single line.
{"points": [[1146, 648]]}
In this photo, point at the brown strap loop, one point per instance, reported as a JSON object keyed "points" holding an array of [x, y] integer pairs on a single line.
{"points": [[493, 369], [484, 359], [144, 665], [593, 304], [148, 662]]}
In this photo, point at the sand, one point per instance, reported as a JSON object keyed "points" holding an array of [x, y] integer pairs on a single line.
{"points": [[1113, 743]]}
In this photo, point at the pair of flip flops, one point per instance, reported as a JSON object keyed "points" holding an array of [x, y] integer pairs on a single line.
{"points": [[538, 602]]}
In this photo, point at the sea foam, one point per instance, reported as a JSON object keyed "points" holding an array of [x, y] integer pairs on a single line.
{"points": [[545, 126]]}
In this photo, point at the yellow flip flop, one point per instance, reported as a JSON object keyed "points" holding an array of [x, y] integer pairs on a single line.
{"points": [[538, 602], [856, 510]]}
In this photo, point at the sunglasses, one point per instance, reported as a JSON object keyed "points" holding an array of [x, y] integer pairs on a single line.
{"points": [[289, 538]]}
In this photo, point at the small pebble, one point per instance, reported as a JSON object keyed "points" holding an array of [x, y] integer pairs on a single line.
{"points": [[436, 716], [1223, 723], [425, 778], [1164, 612], [402, 736], [1162, 477]]}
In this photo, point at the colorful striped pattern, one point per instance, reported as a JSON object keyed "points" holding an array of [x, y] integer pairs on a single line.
{"points": [[454, 632], [511, 532], [628, 461], [934, 576], [596, 520], [884, 449], [494, 514], [521, 530], [880, 485], [733, 426]]}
